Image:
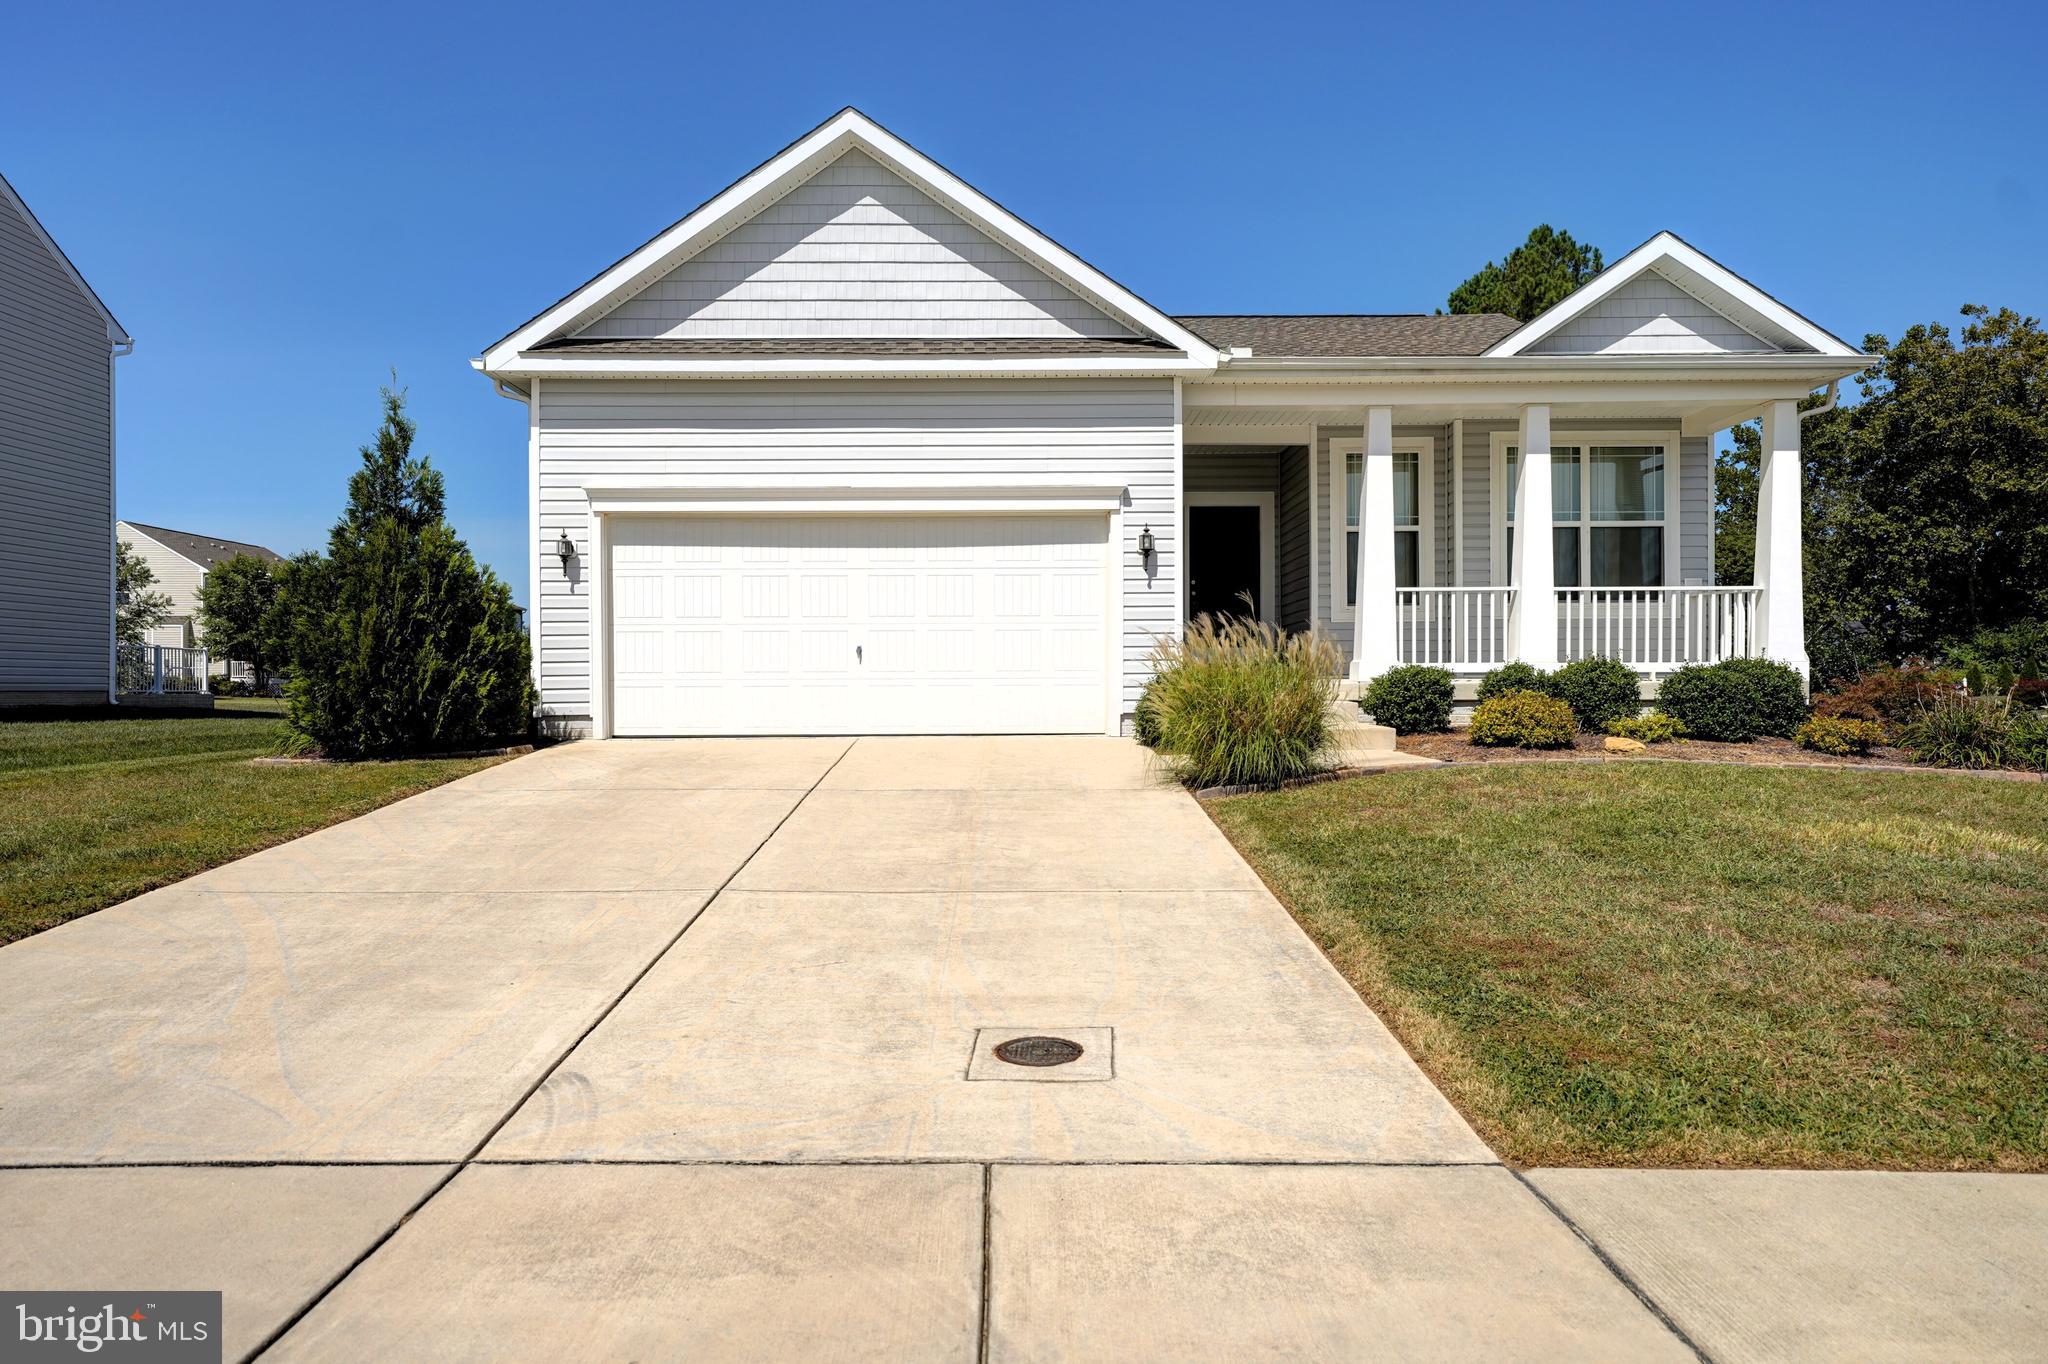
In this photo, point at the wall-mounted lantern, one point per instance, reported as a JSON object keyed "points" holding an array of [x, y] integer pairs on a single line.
{"points": [[1146, 546], [565, 550]]}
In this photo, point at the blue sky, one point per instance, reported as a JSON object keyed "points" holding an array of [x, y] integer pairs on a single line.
{"points": [[284, 202]]}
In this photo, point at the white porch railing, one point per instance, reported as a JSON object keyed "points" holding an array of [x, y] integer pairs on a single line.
{"points": [[157, 669], [1463, 629], [1654, 628]]}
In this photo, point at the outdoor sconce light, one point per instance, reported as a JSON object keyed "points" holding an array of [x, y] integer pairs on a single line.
{"points": [[1146, 546], [565, 550]]}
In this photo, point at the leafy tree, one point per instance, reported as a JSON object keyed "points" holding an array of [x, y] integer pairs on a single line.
{"points": [[1535, 275], [397, 640], [1926, 501], [137, 610], [234, 606]]}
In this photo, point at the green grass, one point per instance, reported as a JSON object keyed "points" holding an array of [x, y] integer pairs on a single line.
{"points": [[95, 810], [1677, 964]]}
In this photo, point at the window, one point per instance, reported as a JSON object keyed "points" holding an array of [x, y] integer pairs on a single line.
{"points": [[1408, 528], [1607, 514]]}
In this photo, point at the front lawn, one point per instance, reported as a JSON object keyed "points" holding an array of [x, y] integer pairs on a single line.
{"points": [[95, 810], [1680, 964]]}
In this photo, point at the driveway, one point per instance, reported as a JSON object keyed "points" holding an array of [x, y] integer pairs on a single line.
{"points": [[681, 1050]]}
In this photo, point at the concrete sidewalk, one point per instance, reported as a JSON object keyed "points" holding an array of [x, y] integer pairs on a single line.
{"points": [[677, 1049]]}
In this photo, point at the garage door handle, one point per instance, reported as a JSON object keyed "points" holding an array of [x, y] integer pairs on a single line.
{"points": [[856, 653]]}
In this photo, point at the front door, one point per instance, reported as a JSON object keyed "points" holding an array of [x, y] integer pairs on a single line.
{"points": [[1223, 562]]}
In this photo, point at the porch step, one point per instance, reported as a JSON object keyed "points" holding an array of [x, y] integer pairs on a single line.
{"points": [[1349, 732]]}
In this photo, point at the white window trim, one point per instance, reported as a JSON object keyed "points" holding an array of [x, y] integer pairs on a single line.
{"points": [[1341, 607], [1668, 440], [1269, 610]]}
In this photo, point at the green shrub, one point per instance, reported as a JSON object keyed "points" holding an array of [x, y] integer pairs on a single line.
{"points": [[2027, 739], [1523, 719], [1514, 677], [1240, 703], [1651, 727], [1145, 719], [397, 641], [1737, 700], [1839, 735], [1961, 731], [1597, 690], [1413, 699]]}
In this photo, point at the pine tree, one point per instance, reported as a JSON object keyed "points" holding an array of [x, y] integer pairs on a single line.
{"points": [[397, 640]]}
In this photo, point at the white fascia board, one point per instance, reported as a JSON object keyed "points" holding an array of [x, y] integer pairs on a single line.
{"points": [[1668, 246], [836, 367], [848, 128], [117, 335]]}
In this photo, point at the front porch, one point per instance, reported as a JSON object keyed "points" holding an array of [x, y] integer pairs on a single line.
{"points": [[1394, 533]]}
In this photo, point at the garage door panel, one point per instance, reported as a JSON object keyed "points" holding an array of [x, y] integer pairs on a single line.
{"points": [[931, 624]]}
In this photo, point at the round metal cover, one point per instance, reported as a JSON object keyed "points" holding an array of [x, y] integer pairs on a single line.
{"points": [[1039, 1051]]}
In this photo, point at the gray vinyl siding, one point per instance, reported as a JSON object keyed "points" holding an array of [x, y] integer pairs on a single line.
{"points": [[1650, 315], [808, 434], [1233, 469], [56, 473], [1291, 532], [856, 250], [1695, 510]]}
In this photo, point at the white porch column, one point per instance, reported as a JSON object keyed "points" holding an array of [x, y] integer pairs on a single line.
{"points": [[1780, 558], [1373, 624], [1532, 624]]}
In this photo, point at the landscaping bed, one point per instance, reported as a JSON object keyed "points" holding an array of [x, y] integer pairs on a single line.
{"points": [[1456, 746], [1671, 963], [105, 806]]}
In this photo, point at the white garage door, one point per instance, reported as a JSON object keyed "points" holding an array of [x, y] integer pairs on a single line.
{"points": [[859, 624]]}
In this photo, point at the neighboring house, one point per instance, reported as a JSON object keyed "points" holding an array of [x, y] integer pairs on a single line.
{"points": [[852, 448], [58, 344], [180, 560]]}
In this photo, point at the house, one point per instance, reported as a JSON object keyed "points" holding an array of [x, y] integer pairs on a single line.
{"points": [[58, 344], [852, 448], [180, 559]]}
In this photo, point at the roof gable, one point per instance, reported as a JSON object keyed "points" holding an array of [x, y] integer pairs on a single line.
{"points": [[855, 251], [722, 270], [1667, 298], [116, 334], [203, 550]]}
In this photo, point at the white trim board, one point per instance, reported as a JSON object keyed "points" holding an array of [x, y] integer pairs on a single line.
{"points": [[1269, 609]]}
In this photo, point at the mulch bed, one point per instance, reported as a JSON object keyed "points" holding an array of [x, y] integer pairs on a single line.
{"points": [[1454, 747]]}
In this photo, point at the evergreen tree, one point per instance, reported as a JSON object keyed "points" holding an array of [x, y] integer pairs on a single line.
{"points": [[1535, 275], [397, 640]]}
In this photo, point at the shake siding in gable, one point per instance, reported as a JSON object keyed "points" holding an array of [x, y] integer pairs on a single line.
{"points": [[856, 250], [56, 473], [807, 434]]}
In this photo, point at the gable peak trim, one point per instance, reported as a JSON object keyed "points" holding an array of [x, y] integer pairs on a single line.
{"points": [[1668, 249], [796, 163]]}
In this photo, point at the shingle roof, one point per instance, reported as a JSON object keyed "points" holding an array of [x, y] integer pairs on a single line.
{"points": [[1292, 335], [887, 346], [204, 549]]}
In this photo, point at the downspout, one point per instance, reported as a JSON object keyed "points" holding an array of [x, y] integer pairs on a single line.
{"points": [[1827, 403]]}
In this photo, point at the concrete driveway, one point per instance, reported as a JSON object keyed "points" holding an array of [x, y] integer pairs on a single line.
{"points": [[680, 1050]]}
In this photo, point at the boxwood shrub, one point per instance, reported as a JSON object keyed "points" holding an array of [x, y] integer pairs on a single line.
{"points": [[1413, 699], [1523, 719], [1598, 690], [1737, 700], [1514, 677], [1650, 727], [1840, 735]]}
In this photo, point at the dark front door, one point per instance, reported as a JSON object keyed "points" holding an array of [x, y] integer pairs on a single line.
{"points": [[1223, 567]]}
